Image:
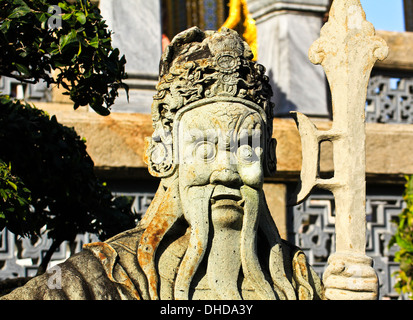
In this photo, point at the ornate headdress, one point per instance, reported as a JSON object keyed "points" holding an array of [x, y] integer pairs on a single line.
{"points": [[198, 68]]}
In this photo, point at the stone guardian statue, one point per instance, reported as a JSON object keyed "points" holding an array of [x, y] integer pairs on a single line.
{"points": [[208, 234]]}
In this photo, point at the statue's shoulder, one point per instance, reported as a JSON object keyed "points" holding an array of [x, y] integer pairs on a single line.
{"points": [[118, 249], [127, 241], [118, 257], [93, 273]]}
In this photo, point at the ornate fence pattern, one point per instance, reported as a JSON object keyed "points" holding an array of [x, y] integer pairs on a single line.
{"points": [[19, 257], [390, 99], [311, 227]]}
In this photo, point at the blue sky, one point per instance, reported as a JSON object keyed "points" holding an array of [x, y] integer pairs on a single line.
{"points": [[385, 14]]}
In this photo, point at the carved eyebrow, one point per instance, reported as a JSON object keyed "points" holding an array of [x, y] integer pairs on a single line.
{"points": [[212, 135], [233, 139], [193, 135], [248, 120], [248, 134]]}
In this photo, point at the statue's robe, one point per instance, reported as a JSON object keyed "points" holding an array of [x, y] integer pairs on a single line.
{"points": [[110, 271]]}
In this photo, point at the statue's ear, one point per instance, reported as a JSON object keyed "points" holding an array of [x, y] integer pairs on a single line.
{"points": [[270, 160], [158, 156]]}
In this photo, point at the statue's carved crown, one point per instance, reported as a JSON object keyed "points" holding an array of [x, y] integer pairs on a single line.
{"points": [[200, 65]]}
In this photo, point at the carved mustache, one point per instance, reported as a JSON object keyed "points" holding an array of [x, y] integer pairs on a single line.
{"points": [[223, 195]]}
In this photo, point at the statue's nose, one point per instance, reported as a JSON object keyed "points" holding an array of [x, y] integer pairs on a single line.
{"points": [[226, 177]]}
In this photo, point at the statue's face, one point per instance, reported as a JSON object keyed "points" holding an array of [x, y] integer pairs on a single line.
{"points": [[220, 145]]}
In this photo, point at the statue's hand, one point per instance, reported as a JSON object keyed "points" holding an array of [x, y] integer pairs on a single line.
{"points": [[350, 277]]}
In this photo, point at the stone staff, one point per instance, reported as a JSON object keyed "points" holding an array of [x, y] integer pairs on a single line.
{"points": [[347, 49]]}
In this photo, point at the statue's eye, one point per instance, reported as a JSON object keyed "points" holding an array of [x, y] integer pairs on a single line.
{"points": [[245, 153], [205, 151]]}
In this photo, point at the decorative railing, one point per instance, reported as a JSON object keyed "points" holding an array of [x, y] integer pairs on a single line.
{"points": [[20, 257], [311, 227], [390, 98]]}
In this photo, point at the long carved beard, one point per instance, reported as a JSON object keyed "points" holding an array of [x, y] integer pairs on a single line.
{"points": [[250, 263], [231, 248], [224, 258], [196, 210]]}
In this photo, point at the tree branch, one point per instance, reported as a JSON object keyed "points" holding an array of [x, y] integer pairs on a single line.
{"points": [[20, 78]]}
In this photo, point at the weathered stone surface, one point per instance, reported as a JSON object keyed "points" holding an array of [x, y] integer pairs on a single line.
{"points": [[260, 8], [386, 151], [115, 141]]}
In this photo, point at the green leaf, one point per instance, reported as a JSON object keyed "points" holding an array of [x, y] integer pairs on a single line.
{"points": [[80, 16], [404, 243], [19, 12], [392, 242], [80, 49], [67, 16], [64, 5], [98, 108], [5, 25], [22, 69], [13, 185], [43, 17], [22, 201], [66, 39], [3, 194], [95, 42]]}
